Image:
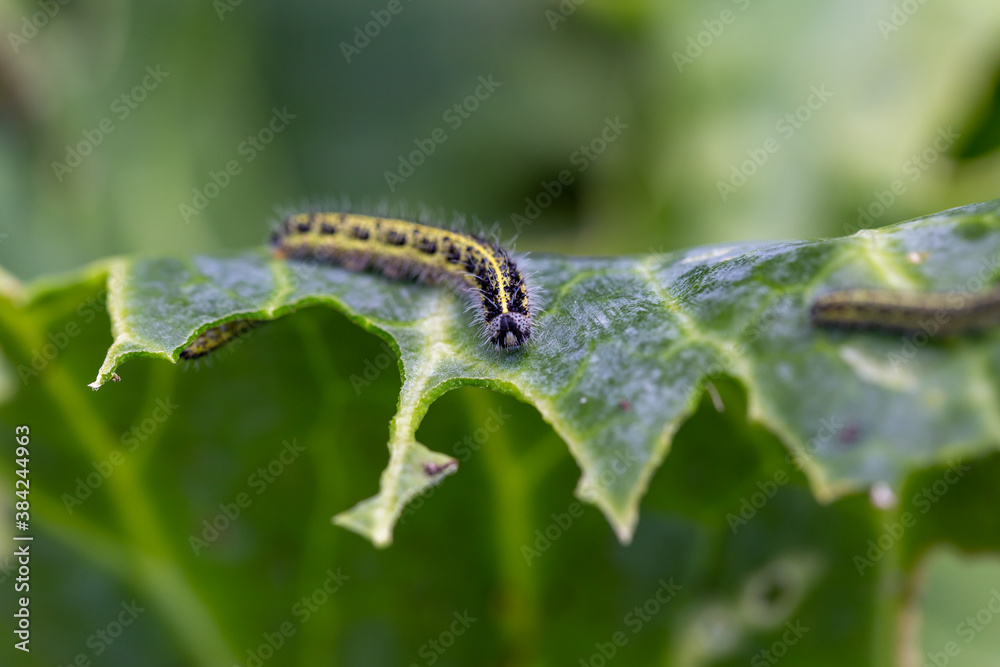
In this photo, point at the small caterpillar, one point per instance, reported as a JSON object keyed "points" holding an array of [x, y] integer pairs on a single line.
{"points": [[888, 310], [217, 337], [399, 249]]}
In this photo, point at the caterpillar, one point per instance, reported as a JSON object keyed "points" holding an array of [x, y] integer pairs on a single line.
{"points": [[217, 337], [402, 249], [889, 310]]}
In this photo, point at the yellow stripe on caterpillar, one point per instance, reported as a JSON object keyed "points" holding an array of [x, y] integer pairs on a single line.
{"points": [[399, 249]]}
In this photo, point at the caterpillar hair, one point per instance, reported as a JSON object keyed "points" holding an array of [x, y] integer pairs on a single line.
{"points": [[403, 249]]}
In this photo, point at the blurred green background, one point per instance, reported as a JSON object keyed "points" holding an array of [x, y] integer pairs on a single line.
{"points": [[721, 121]]}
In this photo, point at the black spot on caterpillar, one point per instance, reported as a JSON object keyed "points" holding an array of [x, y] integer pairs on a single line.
{"points": [[399, 249], [894, 311]]}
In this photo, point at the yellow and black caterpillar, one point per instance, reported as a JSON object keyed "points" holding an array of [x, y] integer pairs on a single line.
{"points": [[906, 312], [402, 249], [218, 336], [399, 249]]}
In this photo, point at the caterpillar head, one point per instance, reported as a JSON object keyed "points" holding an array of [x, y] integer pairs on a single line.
{"points": [[509, 331]]}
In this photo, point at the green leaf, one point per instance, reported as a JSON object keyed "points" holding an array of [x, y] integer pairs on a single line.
{"points": [[624, 348]]}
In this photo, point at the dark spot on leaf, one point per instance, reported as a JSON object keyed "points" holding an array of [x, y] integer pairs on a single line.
{"points": [[773, 593], [850, 434], [435, 469]]}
